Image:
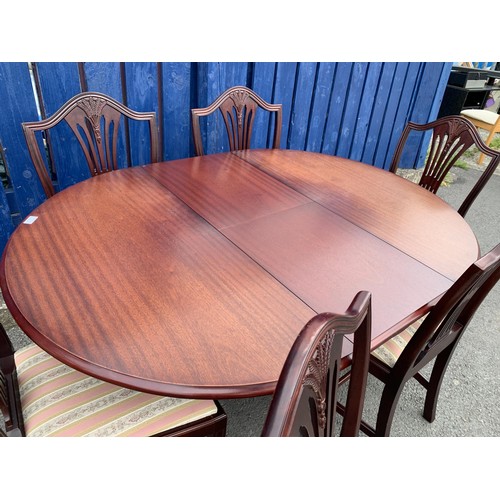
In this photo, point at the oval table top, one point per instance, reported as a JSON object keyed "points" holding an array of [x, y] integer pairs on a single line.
{"points": [[193, 277]]}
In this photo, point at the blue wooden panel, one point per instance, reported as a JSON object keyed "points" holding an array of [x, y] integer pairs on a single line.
{"points": [[201, 95], [214, 140], [388, 83], [106, 78], [426, 92], [336, 111], [263, 84], [440, 88], [142, 95], [416, 145], [231, 74], [59, 82], [321, 101], [6, 225], [299, 121], [399, 106], [18, 105], [351, 110], [177, 104], [365, 110], [283, 94], [441, 75]]}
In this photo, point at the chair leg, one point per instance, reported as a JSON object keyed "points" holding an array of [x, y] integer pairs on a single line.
{"points": [[435, 381], [388, 404]]}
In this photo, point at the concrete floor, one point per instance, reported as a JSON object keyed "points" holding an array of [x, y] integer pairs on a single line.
{"points": [[470, 396]]}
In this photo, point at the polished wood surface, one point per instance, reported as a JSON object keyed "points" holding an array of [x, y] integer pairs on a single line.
{"points": [[417, 223], [193, 277]]}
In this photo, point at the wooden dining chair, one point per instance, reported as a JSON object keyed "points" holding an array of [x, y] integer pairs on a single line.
{"points": [[238, 106], [40, 396], [485, 120], [95, 120], [452, 136], [432, 338], [304, 403]]}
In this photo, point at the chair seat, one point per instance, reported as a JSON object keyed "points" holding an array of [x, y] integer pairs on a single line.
{"points": [[59, 401], [390, 351], [482, 115]]}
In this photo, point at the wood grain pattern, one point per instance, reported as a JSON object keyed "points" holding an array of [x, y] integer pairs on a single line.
{"points": [[192, 278], [325, 260], [391, 208], [225, 190], [147, 294]]}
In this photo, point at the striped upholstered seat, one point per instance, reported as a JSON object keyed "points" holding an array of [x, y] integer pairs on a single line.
{"points": [[57, 400], [390, 351]]}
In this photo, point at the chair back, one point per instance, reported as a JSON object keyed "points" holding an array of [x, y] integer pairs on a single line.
{"points": [[449, 318], [95, 120], [305, 400], [238, 106], [452, 136]]}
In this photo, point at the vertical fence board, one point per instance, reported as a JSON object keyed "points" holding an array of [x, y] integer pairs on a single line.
{"points": [[434, 78], [6, 224], [58, 83], [353, 102], [336, 111], [263, 85], [283, 94], [425, 94], [439, 90], [321, 100], [398, 109], [231, 74], [365, 110], [201, 97], [18, 105], [105, 78], [299, 121], [380, 108], [177, 104], [142, 95], [213, 122]]}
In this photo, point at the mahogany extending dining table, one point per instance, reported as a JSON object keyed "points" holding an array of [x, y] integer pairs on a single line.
{"points": [[193, 277]]}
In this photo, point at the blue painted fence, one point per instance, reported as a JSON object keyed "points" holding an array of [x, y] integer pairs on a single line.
{"points": [[354, 110]]}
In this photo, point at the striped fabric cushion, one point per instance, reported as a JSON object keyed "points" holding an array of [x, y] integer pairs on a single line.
{"points": [[390, 351], [60, 401]]}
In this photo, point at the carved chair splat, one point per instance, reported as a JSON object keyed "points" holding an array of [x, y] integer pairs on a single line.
{"points": [[305, 400], [238, 106], [452, 136], [95, 120]]}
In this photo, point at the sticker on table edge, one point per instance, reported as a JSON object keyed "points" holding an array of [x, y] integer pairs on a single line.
{"points": [[30, 219]]}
